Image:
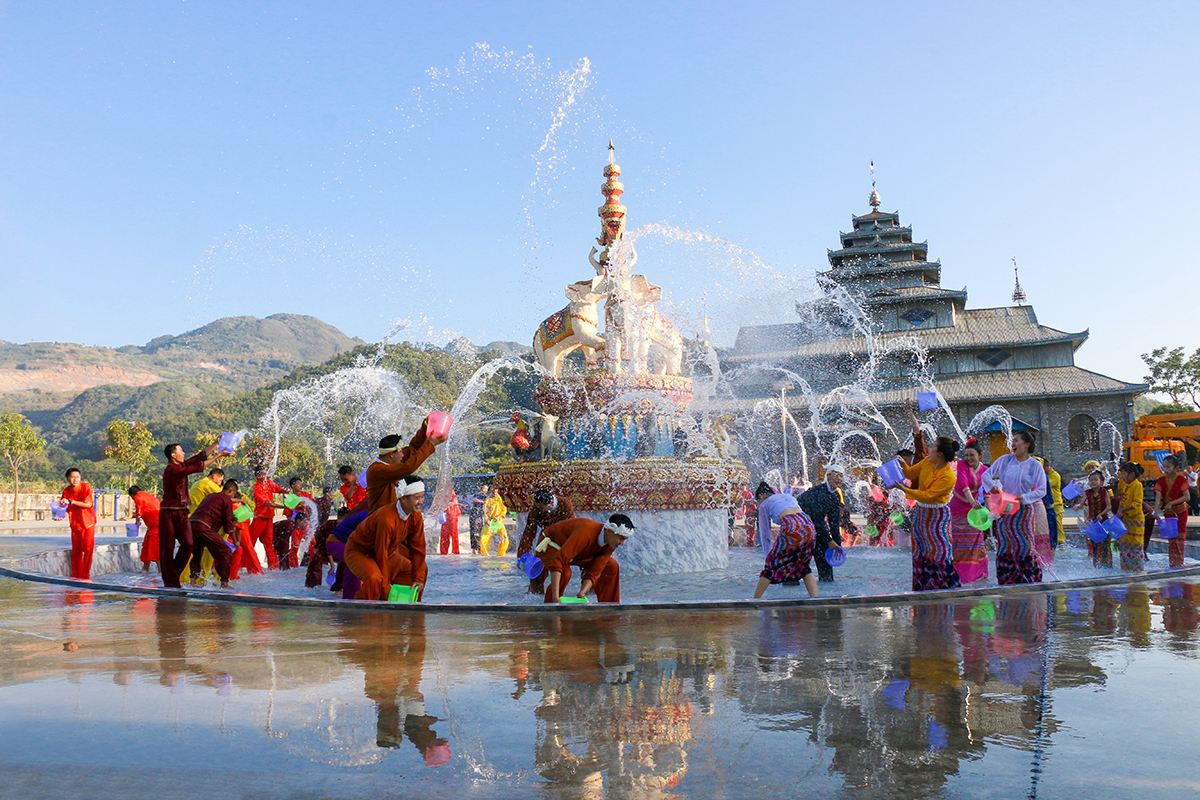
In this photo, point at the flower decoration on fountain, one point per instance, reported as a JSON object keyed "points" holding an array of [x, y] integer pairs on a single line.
{"points": [[621, 423]]}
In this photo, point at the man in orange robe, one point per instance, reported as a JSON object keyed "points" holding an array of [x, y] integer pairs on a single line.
{"points": [[146, 509], [394, 463], [548, 508], [81, 513], [589, 545], [388, 547], [262, 528]]}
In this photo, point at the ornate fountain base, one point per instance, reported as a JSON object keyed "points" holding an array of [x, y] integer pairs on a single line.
{"points": [[680, 506]]}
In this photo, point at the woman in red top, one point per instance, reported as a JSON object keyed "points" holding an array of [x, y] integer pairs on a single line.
{"points": [[1171, 496], [82, 515]]}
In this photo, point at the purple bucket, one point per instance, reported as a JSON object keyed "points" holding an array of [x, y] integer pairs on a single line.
{"points": [[1115, 527], [58, 511], [133, 530], [1071, 491], [362, 479], [891, 473], [531, 565], [231, 545], [1168, 528], [927, 401], [835, 556], [1095, 532]]}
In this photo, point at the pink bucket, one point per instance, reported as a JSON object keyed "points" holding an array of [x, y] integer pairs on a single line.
{"points": [[438, 424], [1003, 504]]}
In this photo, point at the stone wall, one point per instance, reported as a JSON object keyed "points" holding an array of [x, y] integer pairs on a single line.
{"points": [[30, 506]]}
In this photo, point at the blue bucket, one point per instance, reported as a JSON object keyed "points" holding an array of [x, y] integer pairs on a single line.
{"points": [[58, 511], [231, 545], [1072, 490], [891, 473], [1168, 528], [531, 565], [927, 401], [1095, 532], [835, 556], [132, 530], [228, 442], [1116, 529]]}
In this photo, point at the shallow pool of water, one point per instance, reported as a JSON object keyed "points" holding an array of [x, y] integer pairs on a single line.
{"points": [[1067, 694]]}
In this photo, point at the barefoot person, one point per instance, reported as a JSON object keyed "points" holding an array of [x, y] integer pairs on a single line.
{"points": [[173, 526], [146, 510], [215, 513], [388, 547], [970, 556], [394, 463], [81, 513], [932, 551], [588, 545], [790, 552]]}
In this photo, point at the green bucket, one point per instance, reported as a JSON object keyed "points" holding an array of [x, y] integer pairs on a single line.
{"points": [[897, 517], [243, 513], [291, 500], [979, 519], [872, 532], [402, 594], [565, 599]]}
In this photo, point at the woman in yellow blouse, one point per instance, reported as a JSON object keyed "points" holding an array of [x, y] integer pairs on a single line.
{"points": [[933, 479], [1129, 508], [494, 511]]}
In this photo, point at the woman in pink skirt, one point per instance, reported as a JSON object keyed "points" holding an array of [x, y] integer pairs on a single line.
{"points": [[970, 557]]}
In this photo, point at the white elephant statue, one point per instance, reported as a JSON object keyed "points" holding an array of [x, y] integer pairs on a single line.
{"points": [[572, 328], [658, 345]]}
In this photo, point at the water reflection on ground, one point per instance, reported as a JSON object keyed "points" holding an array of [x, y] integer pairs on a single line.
{"points": [[1053, 695]]}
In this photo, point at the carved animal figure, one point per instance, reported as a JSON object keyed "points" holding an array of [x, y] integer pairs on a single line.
{"points": [[572, 328]]}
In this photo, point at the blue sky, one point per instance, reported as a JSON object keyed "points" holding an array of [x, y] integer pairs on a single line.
{"points": [[164, 164]]}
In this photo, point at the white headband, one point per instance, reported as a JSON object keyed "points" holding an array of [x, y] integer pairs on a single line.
{"points": [[411, 488], [624, 531]]}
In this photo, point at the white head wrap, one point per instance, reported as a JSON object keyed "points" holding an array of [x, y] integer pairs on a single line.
{"points": [[405, 489], [838, 468], [624, 531]]}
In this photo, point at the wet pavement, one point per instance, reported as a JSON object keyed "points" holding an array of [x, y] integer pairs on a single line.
{"points": [[1081, 693]]}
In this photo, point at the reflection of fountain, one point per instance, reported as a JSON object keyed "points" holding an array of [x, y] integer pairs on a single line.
{"points": [[622, 420]]}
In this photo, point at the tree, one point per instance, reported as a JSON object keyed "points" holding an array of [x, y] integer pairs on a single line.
{"points": [[1175, 374], [19, 441], [130, 444]]}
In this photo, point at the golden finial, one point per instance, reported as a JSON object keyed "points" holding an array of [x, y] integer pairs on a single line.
{"points": [[874, 198], [612, 152]]}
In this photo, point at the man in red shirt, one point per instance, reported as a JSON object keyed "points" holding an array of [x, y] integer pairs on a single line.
{"points": [[214, 513], [262, 528], [589, 545], [81, 513], [351, 491], [173, 523], [146, 509]]}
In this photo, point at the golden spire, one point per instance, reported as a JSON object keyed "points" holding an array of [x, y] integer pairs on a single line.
{"points": [[874, 198], [612, 213]]}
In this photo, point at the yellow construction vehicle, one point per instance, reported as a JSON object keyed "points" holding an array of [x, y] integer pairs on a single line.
{"points": [[1159, 435]]}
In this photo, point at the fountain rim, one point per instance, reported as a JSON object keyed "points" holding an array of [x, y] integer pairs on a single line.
{"points": [[786, 604]]}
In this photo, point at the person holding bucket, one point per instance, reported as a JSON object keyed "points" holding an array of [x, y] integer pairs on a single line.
{"points": [[173, 524], [822, 504], [1098, 507], [396, 462], [588, 545], [1017, 473], [548, 508], [1130, 500], [388, 548], [494, 511], [81, 513], [933, 479], [1171, 499], [970, 555]]}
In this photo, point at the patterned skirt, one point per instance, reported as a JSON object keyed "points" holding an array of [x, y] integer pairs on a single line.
{"points": [[792, 551], [1041, 536], [970, 557], [1016, 553], [1130, 546], [932, 552]]}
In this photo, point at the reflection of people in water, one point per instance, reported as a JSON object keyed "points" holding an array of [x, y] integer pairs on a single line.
{"points": [[390, 650]]}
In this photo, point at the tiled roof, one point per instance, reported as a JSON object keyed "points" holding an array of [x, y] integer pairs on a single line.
{"points": [[1013, 384], [908, 293], [846, 271], [883, 247], [1013, 326]]}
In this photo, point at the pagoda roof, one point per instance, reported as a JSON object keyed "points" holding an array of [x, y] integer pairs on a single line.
{"points": [[880, 267], [872, 249], [906, 294], [1017, 384], [876, 216], [864, 233], [1011, 326]]}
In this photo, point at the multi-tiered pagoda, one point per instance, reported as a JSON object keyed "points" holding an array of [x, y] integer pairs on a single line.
{"points": [[979, 356]]}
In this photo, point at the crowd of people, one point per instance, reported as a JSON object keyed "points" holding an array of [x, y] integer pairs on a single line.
{"points": [[376, 539]]}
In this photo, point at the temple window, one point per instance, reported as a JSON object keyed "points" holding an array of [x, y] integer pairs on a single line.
{"points": [[1082, 433], [917, 316], [994, 358]]}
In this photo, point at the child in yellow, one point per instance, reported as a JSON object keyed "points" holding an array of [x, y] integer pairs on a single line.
{"points": [[1129, 508], [494, 512]]}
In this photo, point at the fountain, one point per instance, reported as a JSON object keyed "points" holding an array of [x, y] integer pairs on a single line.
{"points": [[622, 422]]}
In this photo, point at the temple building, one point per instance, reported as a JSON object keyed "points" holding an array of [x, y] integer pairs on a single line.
{"points": [[976, 356]]}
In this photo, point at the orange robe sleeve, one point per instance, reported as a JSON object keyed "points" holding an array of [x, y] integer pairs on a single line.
{"points": [[381, 477]]}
